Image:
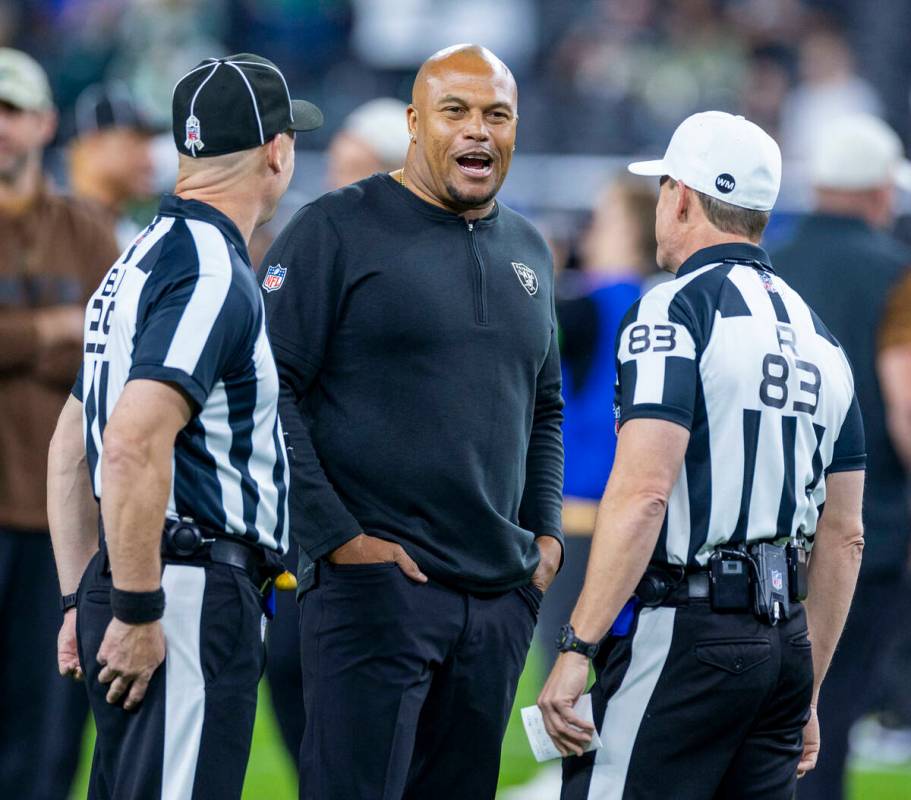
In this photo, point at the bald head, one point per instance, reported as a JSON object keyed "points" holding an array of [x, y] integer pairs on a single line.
{"points": [[466, 59], [462, 122]]}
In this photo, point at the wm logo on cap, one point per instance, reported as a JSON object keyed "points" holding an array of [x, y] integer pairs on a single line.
{"points": [[725, 183]]}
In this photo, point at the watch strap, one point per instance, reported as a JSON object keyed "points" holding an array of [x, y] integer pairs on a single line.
{"points": [[570, 643], [67, 602]]}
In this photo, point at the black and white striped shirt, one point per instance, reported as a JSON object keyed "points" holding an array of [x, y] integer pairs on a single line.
{"points": [[181, 305], [731, 352]]}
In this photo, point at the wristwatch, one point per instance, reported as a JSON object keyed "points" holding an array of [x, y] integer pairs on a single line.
{"points": [[568, 642], [67, 602]]}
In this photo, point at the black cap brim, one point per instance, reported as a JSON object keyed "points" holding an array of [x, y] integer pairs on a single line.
{"points": [[307, 117]]}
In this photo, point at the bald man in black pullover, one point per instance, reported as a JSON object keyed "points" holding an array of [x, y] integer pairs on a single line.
{"points": [[412, 319]]}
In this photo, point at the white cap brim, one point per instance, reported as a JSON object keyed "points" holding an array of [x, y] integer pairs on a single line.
{"points": [[656, 168], [903, 175]]}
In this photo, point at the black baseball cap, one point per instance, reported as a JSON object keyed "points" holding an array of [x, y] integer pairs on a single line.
{"points": [[224, 105], [102, 106]]}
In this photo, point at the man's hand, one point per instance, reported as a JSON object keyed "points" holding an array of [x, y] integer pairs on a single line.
{"points": [[551, 552], [810, 744], [67, 653], [364, 549], [570, 733], [129, 656]]}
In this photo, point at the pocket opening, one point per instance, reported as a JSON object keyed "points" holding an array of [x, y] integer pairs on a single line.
{"points": [[735, 656]]}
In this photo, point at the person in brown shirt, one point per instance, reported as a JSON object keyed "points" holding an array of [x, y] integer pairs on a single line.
{"points": [[54, 251]]}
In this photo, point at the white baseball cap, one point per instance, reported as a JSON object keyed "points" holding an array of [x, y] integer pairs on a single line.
{"points": [[382, 125], [723, 156], [23, 83], [858, 151]]}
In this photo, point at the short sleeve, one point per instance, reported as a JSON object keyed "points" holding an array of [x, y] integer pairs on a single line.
{"points": [[657, 367], [195, 327], [850, 448]]}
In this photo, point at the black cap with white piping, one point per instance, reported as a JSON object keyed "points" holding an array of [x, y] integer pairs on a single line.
{"points": [[224, 105]]}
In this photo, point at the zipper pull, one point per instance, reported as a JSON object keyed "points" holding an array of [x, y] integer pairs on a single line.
{"points": [[470, 227]]}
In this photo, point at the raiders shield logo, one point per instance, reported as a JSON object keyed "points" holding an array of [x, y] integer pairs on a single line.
{"points": [[194, 141], [527, 277]]}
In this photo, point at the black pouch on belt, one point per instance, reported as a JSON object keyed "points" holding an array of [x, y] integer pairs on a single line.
{"points": [[729, 574], [798, 573], [653, 589], [770, 585]]}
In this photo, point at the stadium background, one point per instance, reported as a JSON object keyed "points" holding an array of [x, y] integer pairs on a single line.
{"points": [[599, 81]]}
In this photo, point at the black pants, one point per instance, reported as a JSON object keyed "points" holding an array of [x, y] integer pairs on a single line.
{"points": [[283, 666], [191, 736], [407, 687], [695, 705], [42, 715], [851, 686]]}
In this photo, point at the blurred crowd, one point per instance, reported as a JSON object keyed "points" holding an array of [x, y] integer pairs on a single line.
{"points": [[595, 76]]}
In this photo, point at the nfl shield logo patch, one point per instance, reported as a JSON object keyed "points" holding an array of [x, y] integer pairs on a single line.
{"points": [[527, 277], [275, 277], [777, 580], [767, 282]]}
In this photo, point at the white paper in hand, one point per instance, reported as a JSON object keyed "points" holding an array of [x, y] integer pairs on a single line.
{"points": [[541, 744]]}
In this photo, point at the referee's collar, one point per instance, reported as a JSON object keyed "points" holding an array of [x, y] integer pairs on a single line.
{"points": [[174, 206], [734, 253]]}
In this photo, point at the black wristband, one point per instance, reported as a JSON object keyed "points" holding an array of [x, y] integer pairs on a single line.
{"points": [[137, 608], [68, 601]]}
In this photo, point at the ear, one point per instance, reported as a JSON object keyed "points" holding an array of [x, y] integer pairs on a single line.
{"points": [[411, 118], [277, 153], [683, 200]]}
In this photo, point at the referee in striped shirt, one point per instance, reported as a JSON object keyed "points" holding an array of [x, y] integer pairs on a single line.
{"points": [[184, 451], [737, 422]]}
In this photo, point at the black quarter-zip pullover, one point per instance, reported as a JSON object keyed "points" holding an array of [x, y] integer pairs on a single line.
{"points": [[420, 378]]}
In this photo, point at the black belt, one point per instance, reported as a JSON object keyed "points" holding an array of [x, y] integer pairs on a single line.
{"points": [[184, 542], [660, 587], [696, 586], [761, 576], [223, 551]]}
